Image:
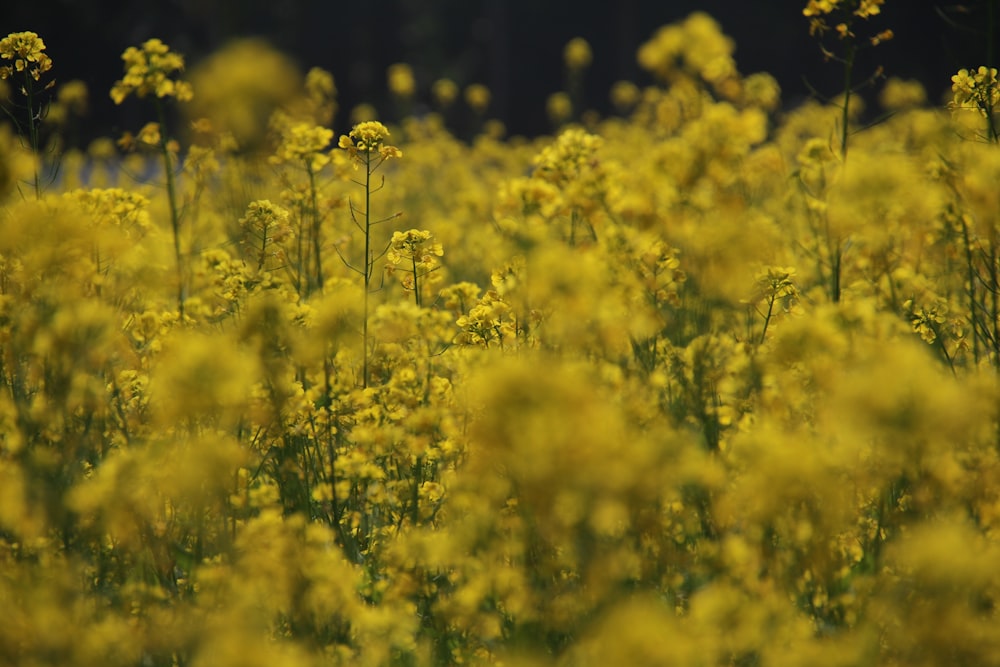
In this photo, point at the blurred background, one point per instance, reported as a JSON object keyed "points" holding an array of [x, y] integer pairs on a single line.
{"points": [[512, 46]]}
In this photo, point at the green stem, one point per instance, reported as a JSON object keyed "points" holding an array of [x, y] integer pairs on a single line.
{"points": [[175, 216], [416, 284], [369, 263], [845, 112], [767, 318], [33, 135], [971, 278], [317, 255]]}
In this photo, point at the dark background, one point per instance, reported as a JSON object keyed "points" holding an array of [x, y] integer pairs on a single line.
{"points": [[513, 46]]}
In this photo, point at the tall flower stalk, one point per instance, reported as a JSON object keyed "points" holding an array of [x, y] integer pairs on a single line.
{"points": [[366, 147], [26, 51], [149, 71], [841, 17]]}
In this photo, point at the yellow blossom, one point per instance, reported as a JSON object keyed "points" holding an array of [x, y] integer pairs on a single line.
{"points": [[577, 54], [148, 71], [27, 51]]}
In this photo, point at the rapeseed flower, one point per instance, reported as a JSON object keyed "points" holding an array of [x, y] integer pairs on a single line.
{"points": [[27, 51], [148, 71], [368, 138], [577, 54]]}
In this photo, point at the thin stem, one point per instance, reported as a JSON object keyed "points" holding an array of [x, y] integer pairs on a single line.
{"points": [[33, 129], [175, 216], [845, 112], [971, 279], [317, 256], [416, 284], [767, 318], [368, 262]]}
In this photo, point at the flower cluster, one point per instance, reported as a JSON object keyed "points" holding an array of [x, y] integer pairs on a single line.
{"points": [[304, 144], [978, 90], [27, 51], [368, 138], [847, 11], [149, 70]]}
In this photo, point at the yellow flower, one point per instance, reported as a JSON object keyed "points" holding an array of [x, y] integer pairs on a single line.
{"points": [[577, 54], [625, 95], [304, 143], [445, 92], [74, 96], [477, 96], [368, 137], [148, 70], [559, 106], [26, 50], [401, 80], [869, 8], [817, 7], [150, 134], [975, 90]]}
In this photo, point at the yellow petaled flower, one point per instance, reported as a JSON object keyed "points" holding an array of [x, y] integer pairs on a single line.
{"points": [[818, 7], [148, 70], [625, 95], [413, 244], [977, 90], [368, 137], [150, 134], [304, 142], [572, 152], [401, 80], [559, 106], [883, 36], [320, 83], [445, 92], [477, 96], [26, 50], [577, 54], [869, 8], [899, 94], [74, 96]]}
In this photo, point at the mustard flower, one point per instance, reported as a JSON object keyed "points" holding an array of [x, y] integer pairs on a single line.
{"points": [[147, 72], [417, 252], [477, 96], [401, 80], [899, 94], [367, 138], [413, 244], [320, 83], [625, 95], [975, 90], [26, 49], [304, 143], [559, 107], [816, 10], [74, 96], [445, 92], [574, 151], [577, 54], [819, 7], [150, 135]]}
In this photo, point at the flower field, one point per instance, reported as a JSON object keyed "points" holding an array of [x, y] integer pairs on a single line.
{"points": [[711, 381]]}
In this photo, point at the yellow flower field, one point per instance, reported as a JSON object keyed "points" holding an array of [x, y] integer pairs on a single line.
{"points": [[709, 382]]}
